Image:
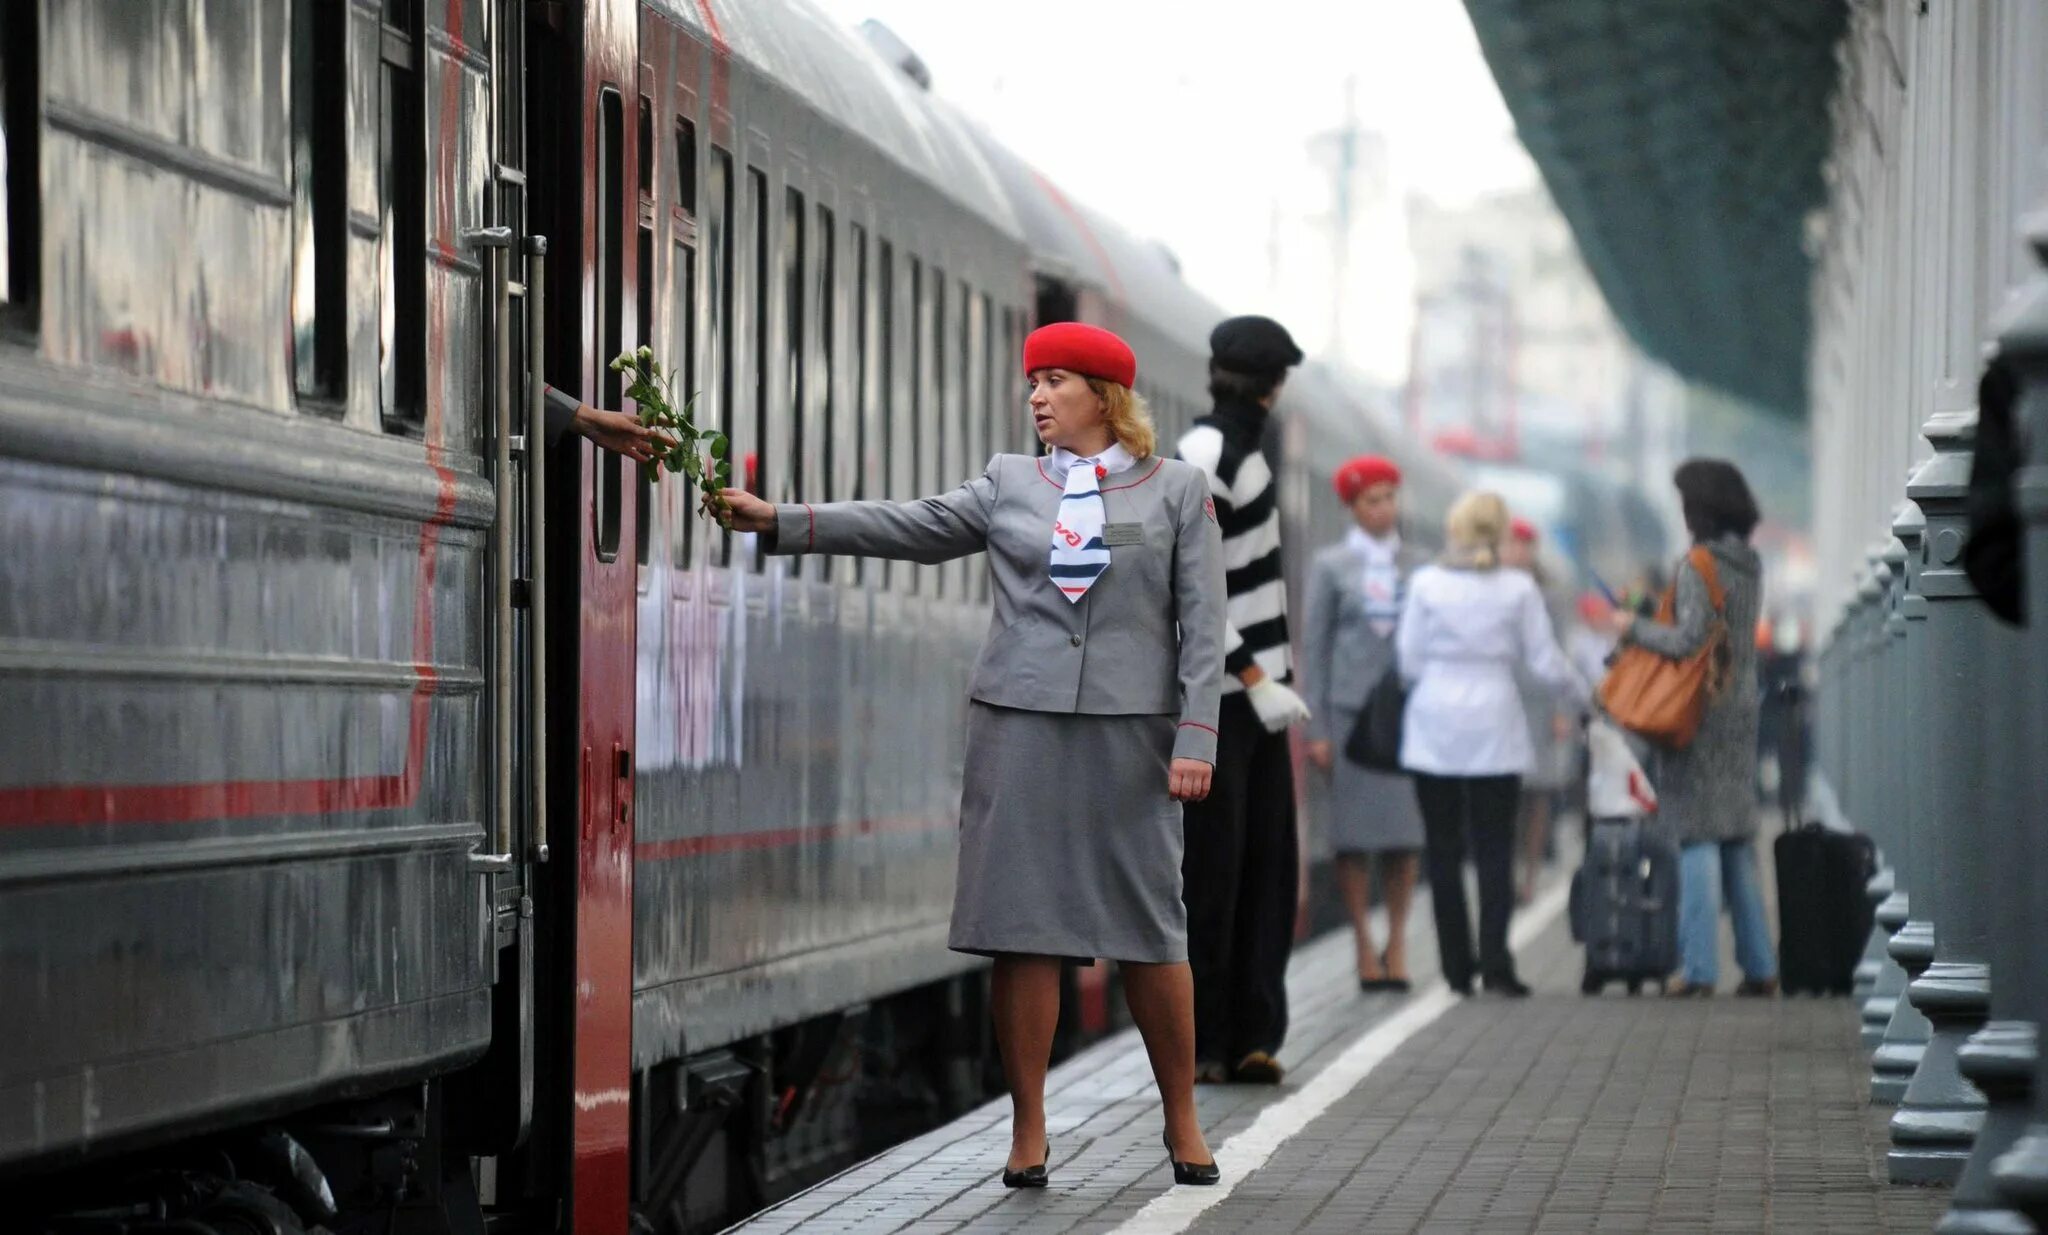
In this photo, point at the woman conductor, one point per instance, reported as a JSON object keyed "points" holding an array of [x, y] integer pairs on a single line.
{"points": [[1092, 711]]}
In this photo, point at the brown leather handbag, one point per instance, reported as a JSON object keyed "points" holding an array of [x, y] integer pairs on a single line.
{"points": [[1661, 699]]}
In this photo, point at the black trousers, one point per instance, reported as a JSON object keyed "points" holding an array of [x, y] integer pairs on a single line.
{"points": [[1239, 876], [1479, 810]]}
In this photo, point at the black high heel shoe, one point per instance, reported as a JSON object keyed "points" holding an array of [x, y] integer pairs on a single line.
{"points": [[1199, 1173], [1030, 1176]]}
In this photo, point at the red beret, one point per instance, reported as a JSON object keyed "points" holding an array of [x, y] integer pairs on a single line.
{"points": [[1362, 472], [1080, 348], [1522, 529]]}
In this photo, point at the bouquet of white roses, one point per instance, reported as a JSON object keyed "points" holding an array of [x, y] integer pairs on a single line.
{"points": [[679, 445]]}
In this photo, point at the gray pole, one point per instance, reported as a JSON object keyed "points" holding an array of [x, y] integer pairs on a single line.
{"points": [[1903, 1033], [2022, 1174], [1882, 818], [1939, 1117]]}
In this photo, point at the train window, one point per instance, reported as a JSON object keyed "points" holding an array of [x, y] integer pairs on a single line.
{"points": [[981, 404], [20, 224], [940, 410], [757, 479], [686, 166], [825, 487], [643, 313], [718, 263], [792, 487], [917, 435], [856, 462], [682, 318], [319, 201], [611, 263], [402, 230], [889, 412]]}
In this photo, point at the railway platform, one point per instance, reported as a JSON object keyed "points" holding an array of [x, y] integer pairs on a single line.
{"points": [[1427, 1112]]}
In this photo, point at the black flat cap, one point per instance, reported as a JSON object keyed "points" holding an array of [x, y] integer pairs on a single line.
{"points": [[1255, 345]]}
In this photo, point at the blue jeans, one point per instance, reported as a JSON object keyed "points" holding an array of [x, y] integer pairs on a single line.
{"points": [[1707, 871]]}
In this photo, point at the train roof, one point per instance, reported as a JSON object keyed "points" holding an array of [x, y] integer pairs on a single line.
{"points": [[809, 53], [1073, 241]]}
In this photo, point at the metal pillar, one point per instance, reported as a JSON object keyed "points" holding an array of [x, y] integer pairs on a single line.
{"points": [[2022, 1173], [1903, 1036], [1878, 815], [1941, 1113]]}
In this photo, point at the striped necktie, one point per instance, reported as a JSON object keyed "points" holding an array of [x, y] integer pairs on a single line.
{"points": [[1078, 555]]}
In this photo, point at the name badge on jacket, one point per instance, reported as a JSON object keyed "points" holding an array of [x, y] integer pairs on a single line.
{"points": [[1114, 534]]}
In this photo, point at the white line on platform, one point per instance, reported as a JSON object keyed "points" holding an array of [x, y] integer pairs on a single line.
{"points": [[1250, 1149]]}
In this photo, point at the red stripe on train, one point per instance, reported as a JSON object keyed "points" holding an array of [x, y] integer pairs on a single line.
{"points": [[781, 838]]}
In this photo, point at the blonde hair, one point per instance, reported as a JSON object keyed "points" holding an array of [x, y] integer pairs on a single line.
{"points": [[1124, 410], [1474, 527]]}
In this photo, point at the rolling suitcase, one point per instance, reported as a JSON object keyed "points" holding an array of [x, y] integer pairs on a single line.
{"points": [[1823, 914], [1624, 904]]}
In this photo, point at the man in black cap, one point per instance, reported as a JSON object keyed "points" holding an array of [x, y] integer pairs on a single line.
{"points": [[1239, 871]]}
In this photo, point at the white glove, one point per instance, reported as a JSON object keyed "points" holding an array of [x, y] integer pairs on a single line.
{"points": [[1277, 706]]}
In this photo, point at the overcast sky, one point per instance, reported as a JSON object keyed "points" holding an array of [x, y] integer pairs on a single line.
{"points": [[1182, 118]]}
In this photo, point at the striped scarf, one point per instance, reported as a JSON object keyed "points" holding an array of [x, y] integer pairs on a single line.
{"points": [[1078, 555]]}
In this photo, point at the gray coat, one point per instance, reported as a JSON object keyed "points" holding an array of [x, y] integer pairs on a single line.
{"points": [[1342, 657], [1708, 790], [1147, 639]]}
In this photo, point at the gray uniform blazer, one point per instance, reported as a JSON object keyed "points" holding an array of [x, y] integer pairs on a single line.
{"points": [[1342, 657], [1146, 639]]}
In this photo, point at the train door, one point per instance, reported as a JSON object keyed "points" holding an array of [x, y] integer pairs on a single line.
{"points": [[581, 104]]}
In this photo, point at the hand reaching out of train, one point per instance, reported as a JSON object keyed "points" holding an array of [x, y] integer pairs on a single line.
{"points": [[1187, 780], [617, 432]]}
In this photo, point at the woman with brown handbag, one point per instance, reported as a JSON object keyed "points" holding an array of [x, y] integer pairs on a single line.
{"points": [[1703, 785]]}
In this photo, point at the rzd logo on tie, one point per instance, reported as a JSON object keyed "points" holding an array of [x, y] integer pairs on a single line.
{"points": [[1073, 540]]}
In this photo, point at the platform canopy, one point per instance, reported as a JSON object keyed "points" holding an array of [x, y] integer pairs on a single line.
{"points": [[1683, 140]]}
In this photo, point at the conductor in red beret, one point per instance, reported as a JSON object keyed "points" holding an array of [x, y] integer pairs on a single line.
{"points": [[1355, 590], [1092, 712]]}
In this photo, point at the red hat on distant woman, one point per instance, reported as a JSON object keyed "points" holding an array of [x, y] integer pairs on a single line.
{"points": [[1362, 472], [1080, 348]]}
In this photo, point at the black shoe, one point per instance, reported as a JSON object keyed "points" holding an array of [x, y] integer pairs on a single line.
{"points": [[1392, 983], [1257, 1068], [1198, 1173], [1030, 1176], [1506, 984], [1460, 986]]}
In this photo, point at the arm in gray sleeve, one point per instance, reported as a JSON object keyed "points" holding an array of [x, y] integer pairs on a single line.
{"points": [[1198, 599], [1318, 641], [1694, 610], [561, 413], [1545, 661], [928, 530]]}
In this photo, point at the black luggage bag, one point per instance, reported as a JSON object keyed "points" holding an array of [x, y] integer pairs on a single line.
{"points": [[1624, 904], [1824, 915]]}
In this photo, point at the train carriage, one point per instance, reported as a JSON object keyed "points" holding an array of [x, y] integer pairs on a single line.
{"points": [[395, 804]]}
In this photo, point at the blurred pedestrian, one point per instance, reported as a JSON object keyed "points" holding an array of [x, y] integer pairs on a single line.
{"points": [[1465, 627], [1551, 733], [1704, 790], [1241, 870], [1354, 606], [1091, 716]]}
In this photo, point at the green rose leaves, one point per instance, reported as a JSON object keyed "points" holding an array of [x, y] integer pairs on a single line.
{"points": [[679, 445]]}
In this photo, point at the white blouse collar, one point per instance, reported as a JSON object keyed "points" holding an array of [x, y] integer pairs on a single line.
{"points": [[1378, 550], [1115, 459]]}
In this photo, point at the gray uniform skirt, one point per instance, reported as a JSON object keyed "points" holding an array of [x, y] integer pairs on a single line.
{"points": [[1070, 845], [1370, 812]]}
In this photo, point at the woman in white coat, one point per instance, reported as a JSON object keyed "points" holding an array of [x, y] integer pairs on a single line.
{"points": [[1466, 626]]}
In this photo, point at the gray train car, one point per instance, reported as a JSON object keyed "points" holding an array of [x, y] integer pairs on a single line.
{"points": [[402, 818]]}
